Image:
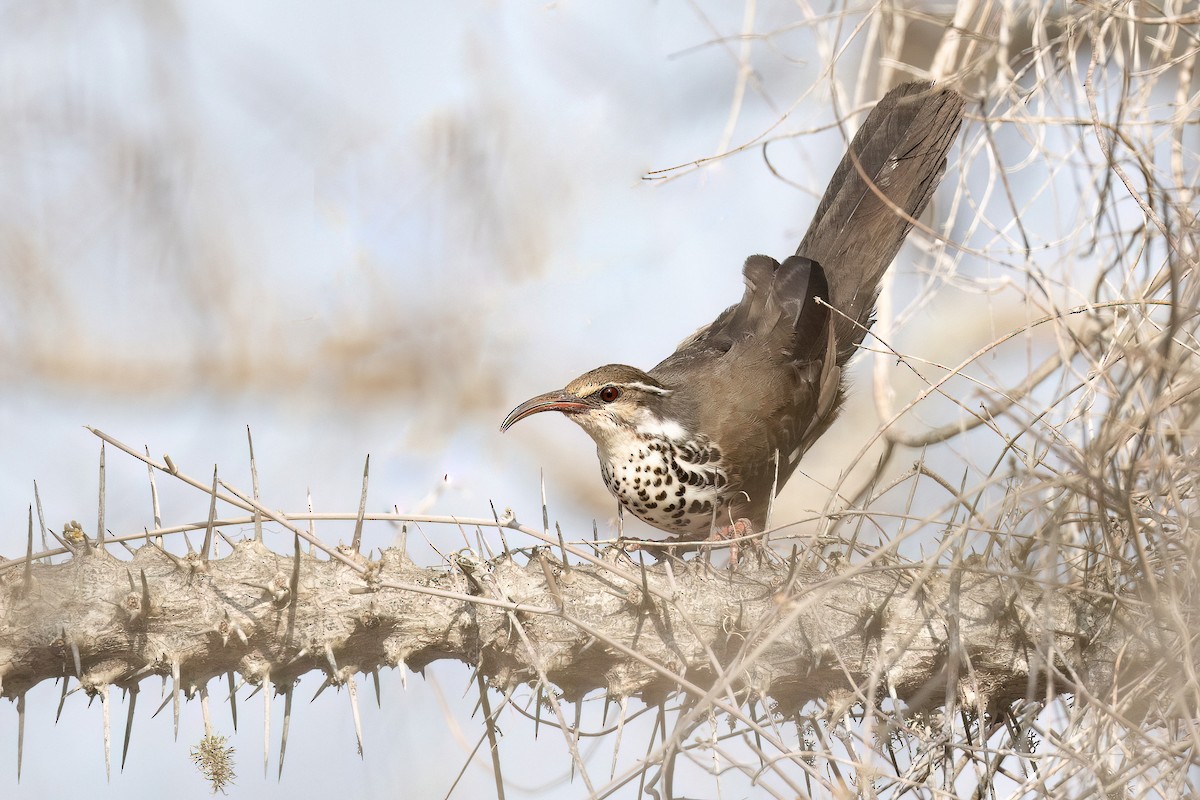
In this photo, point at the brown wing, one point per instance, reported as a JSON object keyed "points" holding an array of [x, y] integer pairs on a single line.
{"points": [[765, 377], [753, 375]]}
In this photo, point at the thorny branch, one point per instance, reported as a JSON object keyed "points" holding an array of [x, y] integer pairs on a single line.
{"points": [[272, 618]]}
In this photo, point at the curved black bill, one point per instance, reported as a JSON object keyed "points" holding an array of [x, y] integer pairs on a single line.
{"points": [[550, 401]]}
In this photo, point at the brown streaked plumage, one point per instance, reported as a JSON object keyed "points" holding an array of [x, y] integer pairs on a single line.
{"points": [[699, 442]]}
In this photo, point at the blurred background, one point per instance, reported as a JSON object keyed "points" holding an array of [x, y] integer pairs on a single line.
{"points": [[373, 228]]}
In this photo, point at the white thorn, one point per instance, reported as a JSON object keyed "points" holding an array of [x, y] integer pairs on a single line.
{"points": [[133, 695], [266, 714], [75, 655], [175, 694], [107, 734], [353, 692], [617, 743], [20, 732], [287, 723], [208, 728]]}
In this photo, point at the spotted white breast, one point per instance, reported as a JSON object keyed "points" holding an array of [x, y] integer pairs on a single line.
{"points": [[670, 484]]}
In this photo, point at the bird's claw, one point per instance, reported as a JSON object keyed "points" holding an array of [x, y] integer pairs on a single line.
{"points": [[741, 529], [737, 536]]}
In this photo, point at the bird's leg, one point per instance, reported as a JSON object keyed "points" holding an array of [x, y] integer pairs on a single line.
{"points": [[737, 534], [733, 533]]}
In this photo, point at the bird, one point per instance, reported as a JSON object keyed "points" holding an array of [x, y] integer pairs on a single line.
{"points": [[699, 445]]}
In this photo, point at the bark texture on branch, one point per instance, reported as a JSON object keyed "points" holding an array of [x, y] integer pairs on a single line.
{"points": [[812, 635]]}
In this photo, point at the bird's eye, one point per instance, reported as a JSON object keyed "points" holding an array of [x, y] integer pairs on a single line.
{"points": [[609, 393]]}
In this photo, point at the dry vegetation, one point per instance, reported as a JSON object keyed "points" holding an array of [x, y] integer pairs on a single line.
{"points": [[1014, 615]]}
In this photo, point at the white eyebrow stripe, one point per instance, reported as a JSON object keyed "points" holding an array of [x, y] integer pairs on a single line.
{"points": [[645, 387]]}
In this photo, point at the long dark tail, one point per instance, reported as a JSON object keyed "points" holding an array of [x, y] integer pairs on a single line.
{"points": [[900, 151]]}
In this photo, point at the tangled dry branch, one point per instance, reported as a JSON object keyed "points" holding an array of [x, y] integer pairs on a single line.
{"points": [[769, 630]]}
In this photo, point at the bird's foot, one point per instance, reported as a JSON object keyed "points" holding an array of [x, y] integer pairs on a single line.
{"points": [[736, 536], [740, 533]]}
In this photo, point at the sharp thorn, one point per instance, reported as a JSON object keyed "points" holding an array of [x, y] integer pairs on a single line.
{"points": [[645, 579], [133, 696], [37, 498], [537, 712], [232, 700], [62, 698], [165, 702], [324, 685], [499, 527], [175, 692], [75, 657], [100, 511], [287, 724], [266, 709], [670, 571], [70, 548], [254, 481], [333, 667], [378, 695], [484, 547], [472, 682], [20, 733], [138, 673], [562, 546], [617, 742], [574, 733], [145, 596], [545, 508], [179, 563], [154, 492], [489, 720], [27, 575], [356, 543], [212, 516], [303, 652], [791, 573], [107, 734], [552, 584], [352, 690], [294, 583], [204, 711]]}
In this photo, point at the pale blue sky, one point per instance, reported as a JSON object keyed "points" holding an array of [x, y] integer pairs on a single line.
{"points": [[366, 228], [225, 214]]}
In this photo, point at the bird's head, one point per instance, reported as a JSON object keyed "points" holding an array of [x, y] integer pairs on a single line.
{"points": [[607, 402]]}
